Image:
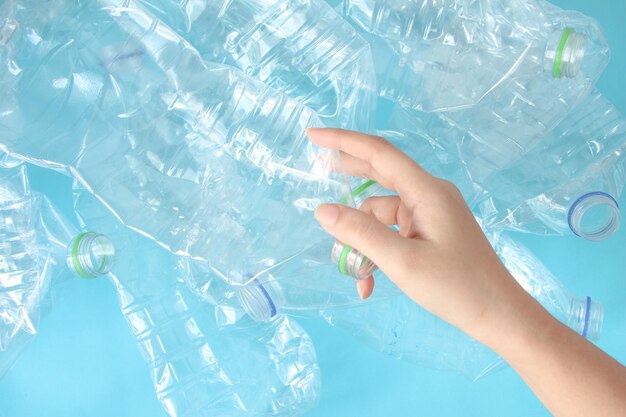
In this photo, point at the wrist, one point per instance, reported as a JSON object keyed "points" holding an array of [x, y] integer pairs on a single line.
{"points": [[516, 321]]}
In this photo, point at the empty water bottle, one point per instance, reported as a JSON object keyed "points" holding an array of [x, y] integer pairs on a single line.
{"points": [[422, 145], [206, 161], [452, 54], [35, 244], [300, 286], [400, 328], [300, 47], [198, 369], [571, 183]]}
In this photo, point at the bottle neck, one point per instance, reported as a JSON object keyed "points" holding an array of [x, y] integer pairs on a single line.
{"points": [[594, 216], [586, 317], [90, 255], [565, 53], [255, 299], [351, 262]]}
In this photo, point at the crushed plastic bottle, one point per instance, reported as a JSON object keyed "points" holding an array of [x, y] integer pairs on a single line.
{"points": [[320, 277], [400, 328], [206, 161], [35, 246], [199, 369], [572, 183], [300, 47], [422, 145], [452, 54]]}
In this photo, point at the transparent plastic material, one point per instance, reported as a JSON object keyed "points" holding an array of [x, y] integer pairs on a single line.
{"points": [[315, 280], [421, 143], [452, 54], [25, 270], [583, 315], [198, 368], [400, 328], [208, 162], [34, 237], [90, 254], [300, 47], [572, 183]]}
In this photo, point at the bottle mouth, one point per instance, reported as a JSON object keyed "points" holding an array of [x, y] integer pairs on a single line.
{"points": [[565, 53], [594, 216], [351, 262], [256, 301], [586, 317], [90, 255]]}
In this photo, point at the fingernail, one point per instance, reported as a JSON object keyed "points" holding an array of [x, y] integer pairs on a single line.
{"points": [[327, 214], [360, 290]]}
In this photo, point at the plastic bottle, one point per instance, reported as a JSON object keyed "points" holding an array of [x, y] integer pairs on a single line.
{"points": [[572, 183], [448, 55], [421, 144], [300, 47], [35, 246], [400, 328], [318, 278], [310, 283], [204, 160], [199, 369]]}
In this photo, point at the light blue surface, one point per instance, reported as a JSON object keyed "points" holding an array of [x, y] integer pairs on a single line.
{"points": [[84, 361]]}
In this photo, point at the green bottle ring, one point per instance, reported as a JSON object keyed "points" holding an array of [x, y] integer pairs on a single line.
{"points": [[559, 52]]}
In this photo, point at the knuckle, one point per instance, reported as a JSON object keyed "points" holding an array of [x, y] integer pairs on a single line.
{"points": [[449, 190], [383, 145]]}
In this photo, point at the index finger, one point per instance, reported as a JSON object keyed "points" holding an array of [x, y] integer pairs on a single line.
{"points": [[388, 165]]}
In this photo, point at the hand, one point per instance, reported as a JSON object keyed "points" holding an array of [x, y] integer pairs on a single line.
{"points": [[440, 256], [442, 260]]}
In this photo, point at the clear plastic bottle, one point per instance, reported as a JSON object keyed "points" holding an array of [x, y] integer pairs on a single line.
{"points": [[400, 328], [301, 47], [206, 161], [309, 283], [34, 239], [198, 368], [572, 183], [452, 54], [318, 278], [421, 144]]}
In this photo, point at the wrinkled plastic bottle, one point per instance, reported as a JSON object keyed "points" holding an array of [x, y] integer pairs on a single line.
{"points": [[572, 183], [300, 47], [422, 145], [317, 278], [451, 54], [206, 161], [310, 283], [400, 328], [199, 369], [37, 243]]}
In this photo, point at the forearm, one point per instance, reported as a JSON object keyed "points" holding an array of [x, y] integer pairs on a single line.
{"points": [[570, 375]]}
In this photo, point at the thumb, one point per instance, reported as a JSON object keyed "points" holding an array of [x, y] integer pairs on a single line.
{"points": [[361, 231]]}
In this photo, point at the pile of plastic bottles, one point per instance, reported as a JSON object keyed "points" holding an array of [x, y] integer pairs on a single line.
{"points": [[183, 126]]}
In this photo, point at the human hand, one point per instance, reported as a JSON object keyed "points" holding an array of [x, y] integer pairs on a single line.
{"points": [[439, 257]]}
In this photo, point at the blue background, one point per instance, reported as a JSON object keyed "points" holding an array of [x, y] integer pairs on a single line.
{"points": [[84, 361]]}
